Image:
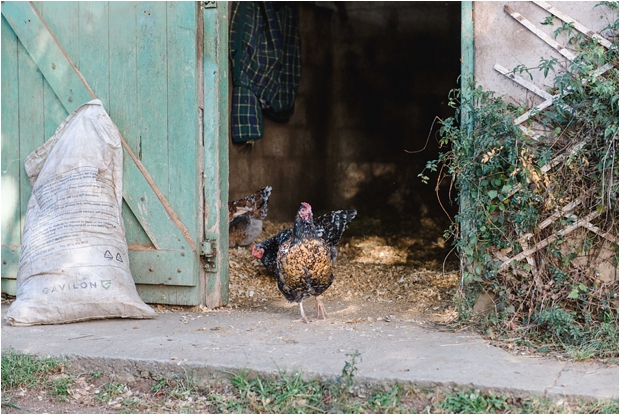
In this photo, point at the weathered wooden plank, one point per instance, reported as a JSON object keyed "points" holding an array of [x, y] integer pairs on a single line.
{"points": [[31, 128], [10, 260], [9, 286], [49, 57], [183, 113], [62, 18], [542, 35], [124, 70], [163, 267], [124, 97], [547, 103], [523, 82], [215, 135], [148, 266], [566, 18], [540, 245], [93, 44], [11, 161], [152, 91], [134, 233], [178, 295]]}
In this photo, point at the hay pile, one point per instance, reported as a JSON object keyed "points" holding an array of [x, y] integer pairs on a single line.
{"points": [[376, 277]]}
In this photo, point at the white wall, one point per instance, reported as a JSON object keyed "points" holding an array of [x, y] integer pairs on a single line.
{"points": [[499, 38]]}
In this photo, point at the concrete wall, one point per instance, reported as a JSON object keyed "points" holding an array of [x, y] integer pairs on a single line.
{"points": [[374, 77], [499, 38]]}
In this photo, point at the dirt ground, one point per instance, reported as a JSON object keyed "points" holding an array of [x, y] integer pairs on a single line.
{"points": [[403, 275]]}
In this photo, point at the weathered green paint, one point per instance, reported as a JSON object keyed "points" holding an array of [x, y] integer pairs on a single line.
{"points": [[62, 78], [184, 113], [169, 295], [147, 266], [163, 267], [467, 75], [152, 89], [141, 60], [216, 144], [11, 167], [93, 44], [55, 112], [10, 255], [467, 50]]}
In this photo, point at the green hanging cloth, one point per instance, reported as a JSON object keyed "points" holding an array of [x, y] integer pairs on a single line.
{"points": [[265, 51]]}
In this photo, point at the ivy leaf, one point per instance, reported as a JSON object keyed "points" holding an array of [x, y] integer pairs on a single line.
{"points": [[548, 21], [574, 294], [492, 194]]}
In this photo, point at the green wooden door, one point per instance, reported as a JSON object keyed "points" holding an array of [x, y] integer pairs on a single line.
{"points": [[160, 70]]}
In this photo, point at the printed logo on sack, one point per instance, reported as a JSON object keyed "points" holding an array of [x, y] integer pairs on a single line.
{"points": [[73, 286], [106, 284]]}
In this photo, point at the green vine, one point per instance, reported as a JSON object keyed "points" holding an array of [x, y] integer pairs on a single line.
{"points": [[524, 191]]}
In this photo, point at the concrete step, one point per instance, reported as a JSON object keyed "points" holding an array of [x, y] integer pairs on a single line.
{"points": [[212, 343]]}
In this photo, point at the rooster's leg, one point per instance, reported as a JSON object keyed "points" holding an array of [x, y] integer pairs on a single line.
{"points": [[320, 309], [303, 315]]}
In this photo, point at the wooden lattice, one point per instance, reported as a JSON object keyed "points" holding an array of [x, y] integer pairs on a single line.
{"points": [[529, 249]]}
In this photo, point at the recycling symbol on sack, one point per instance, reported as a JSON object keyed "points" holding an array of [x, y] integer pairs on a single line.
{"points": [[108, 255]]}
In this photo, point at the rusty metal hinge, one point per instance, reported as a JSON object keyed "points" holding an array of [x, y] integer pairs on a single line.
{"points": [[208, 252]]}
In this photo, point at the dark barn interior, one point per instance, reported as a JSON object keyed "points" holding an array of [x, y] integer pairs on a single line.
{"points": [[374, 77]]}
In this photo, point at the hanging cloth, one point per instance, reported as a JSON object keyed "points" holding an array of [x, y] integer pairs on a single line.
{"points": [[265, 51]]}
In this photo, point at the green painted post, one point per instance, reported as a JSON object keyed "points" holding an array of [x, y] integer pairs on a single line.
{"points": [[467, 75], [216, 110]]}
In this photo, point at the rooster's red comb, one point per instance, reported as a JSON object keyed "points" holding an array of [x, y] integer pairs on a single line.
{"points": [[306, 205]]}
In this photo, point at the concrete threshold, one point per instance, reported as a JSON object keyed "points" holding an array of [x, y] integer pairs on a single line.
{"points": [[210, 345]]}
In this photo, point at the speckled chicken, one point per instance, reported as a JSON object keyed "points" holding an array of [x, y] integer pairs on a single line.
{"points": [[304, 263], [245, 217], [329, 227]]}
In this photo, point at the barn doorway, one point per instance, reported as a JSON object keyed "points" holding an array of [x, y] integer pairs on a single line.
{"points": [[374, 77]]}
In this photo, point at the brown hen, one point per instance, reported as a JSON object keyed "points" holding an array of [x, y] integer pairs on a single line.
{"points": [[245, 217], [304, 264]]}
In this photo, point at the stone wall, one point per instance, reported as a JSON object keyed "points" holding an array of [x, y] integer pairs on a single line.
{"points": [[374, 77]]}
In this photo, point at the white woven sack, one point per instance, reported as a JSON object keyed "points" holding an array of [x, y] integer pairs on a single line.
{"points": [[74, 262]]}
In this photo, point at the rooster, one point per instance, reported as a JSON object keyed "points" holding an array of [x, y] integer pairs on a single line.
{"points": [[304, 263], [329, 227], [245, 217]]}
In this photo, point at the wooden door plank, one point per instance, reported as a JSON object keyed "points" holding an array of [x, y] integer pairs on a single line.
{"points": [[31, 113], [178, 268], [49, 57], [134, 233], [66, 13], [172, 295], [215, 136], [123, 70], [93, 46], [183, 112], [124, 96], [11, 161], [152, 91]]}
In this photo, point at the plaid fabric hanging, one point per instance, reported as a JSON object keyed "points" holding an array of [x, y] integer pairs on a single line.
{"points": [[265, 50]]}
